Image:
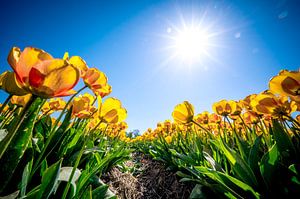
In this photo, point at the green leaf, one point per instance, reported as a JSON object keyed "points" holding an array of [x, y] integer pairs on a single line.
{"points": [[100, 191], [284, 144], [33, 194], [49, 180], [11, 196], [18, 144], [212, 162], [44, 167], [59, 134], [254, 157], [230, 183], [296, 171], [240, 166], [196, 192], [3, 133], [65, 173], [25, 178], [269, 164]]}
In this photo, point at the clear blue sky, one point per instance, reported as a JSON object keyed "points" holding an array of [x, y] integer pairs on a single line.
{"points": [[129, 40]]}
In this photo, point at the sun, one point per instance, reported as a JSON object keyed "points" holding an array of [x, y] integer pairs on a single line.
{"points": [[191, 43]]}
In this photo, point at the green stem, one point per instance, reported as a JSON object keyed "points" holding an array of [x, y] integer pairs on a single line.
{"points": [[74, 169], [201, 127], [66, 106], [51, 134]]}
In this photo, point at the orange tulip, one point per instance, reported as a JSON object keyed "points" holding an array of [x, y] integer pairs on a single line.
{"points": [[250, 117], [20, 100], [214, 118], [42, 75], [202, 118]]}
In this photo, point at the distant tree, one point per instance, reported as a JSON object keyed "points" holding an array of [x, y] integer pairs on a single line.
{"points": [[134, 133]]}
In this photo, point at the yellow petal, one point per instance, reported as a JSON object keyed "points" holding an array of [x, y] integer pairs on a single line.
{"points": [[66, 56], [183, 113], [13, 57], [9, 83], [109, 104], [79, 63]]}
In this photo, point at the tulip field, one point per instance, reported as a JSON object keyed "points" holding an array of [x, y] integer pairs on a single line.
{"points": [[57, 142]]}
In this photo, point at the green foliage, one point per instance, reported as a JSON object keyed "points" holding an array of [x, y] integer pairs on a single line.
{"points": [[254, 166]]}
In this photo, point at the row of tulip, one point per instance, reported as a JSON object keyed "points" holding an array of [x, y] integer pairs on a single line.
{"points": [[61, 156], [245, 149]]}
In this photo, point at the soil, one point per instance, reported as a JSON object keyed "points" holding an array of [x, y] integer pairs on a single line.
{"points": [[152, 181]]}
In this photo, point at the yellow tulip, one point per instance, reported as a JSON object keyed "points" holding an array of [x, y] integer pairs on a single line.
{"points": [[202, 118], [57, 104], [270, 104], [42, 75], [78, 62], [214, 118], [46, 109], [183, 113], [96, 80], [168, 139], [111, 110], [103, 91], [286, 83], [225, 107], [82, 106]]}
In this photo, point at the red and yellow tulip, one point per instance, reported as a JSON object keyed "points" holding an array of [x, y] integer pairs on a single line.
{"points": [[39, 73]]}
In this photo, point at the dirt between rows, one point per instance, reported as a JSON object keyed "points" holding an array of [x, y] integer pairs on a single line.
{"points": [[153, 181]]}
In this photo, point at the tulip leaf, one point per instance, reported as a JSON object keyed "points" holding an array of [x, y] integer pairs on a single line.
{"points": [[3, 133], [231, 184], [11, 196], [269, 164], [49, 180], [240, 166], [254, 157], [25, 178], [284, 144], [295, 169], [19, 144]]}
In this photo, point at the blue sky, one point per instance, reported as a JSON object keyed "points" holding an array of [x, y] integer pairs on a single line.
{"points": [[130, 40]]}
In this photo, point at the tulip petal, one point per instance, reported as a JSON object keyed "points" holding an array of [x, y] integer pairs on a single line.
{"points": [[62, 80], [29, 58], [36, 78], [79, 63], [13, 57], [9, 83]]}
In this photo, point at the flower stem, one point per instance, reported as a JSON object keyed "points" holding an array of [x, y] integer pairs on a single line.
{"points": [[74, 169], [51, 134]]}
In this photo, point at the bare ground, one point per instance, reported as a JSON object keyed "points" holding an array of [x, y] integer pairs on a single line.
{"points": [[153, 181]]}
